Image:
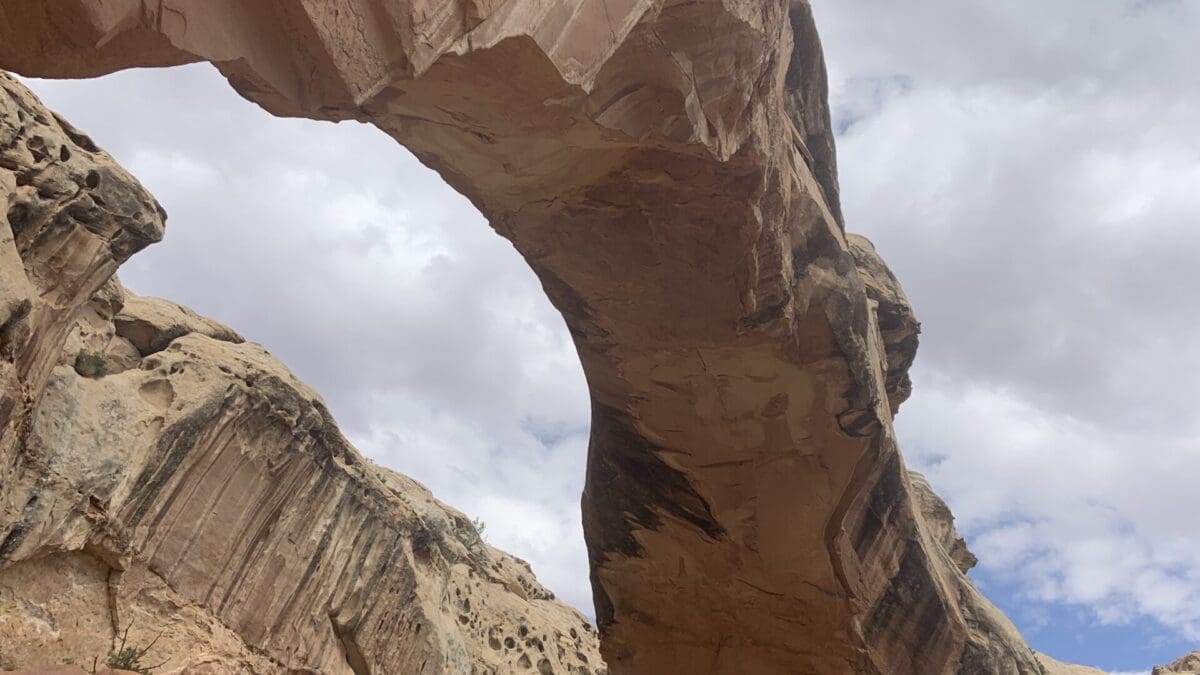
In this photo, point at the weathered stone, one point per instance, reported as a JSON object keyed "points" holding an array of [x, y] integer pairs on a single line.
{"points": [[1188, 665], [150, 324], [1054, 667], [667, 169], [940, 522], [165, 478], [208, 499]]}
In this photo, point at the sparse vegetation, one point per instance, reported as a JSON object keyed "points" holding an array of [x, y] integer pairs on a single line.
{"points": [[129, 657], [480, 528], [91, 364], [1041, 668]]}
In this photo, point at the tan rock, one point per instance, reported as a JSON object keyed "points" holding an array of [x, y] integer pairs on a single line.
{"points": [[667, 169], [150, 324], [1188, 665], [1054, 667], [898, 326], [195, 496], [207, 501], [940, 522], [69, 670]]}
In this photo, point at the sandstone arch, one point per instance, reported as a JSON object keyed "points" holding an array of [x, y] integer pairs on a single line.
{"points": [[666, 167]]}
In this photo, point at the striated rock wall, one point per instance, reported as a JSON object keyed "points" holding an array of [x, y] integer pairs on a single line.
{"points": [[667, 169], [162, 474]]}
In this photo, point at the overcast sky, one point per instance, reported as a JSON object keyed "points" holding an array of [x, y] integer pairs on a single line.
{"points": [[1029, 168]]}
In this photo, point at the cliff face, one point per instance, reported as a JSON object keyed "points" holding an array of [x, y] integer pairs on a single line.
{"points": [[163, 474], [666, 167]]}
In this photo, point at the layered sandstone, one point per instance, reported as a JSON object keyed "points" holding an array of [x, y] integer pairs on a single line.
{"points": [[162, 475], [666, 167]]}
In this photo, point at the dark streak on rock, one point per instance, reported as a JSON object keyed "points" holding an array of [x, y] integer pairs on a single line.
{"points": [[629, 487], [174, 445]]}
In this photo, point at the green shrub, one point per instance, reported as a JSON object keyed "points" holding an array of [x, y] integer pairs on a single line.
{"points": [[128, 657], [91, 364]]}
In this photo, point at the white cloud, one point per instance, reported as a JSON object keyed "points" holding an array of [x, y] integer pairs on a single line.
{"points": [[1069, 511], [428, 336], [1028, 168]]}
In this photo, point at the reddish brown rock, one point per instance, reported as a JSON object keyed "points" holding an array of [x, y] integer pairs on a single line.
{"points": [[666, 167]]}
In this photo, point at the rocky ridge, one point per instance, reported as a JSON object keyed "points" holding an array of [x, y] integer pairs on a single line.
{"points": [[1187, 665]]}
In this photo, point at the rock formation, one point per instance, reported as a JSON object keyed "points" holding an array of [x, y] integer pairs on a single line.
{"points": [[1052, 666], [667, 169], [162, 475], [1188, 665]]}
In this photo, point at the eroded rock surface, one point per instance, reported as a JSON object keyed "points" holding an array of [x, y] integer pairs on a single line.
{"points": [[163, 475], [666, 167], [1055, 667], [940, 522]]}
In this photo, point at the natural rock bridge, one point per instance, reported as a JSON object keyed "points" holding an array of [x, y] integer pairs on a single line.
{"points": [[667, 169]]}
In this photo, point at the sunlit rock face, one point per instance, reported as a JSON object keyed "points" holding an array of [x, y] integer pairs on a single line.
{"points": [[667, 169]]}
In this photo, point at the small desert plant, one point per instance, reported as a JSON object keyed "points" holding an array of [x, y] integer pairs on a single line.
{"points": [[91, 364], [129, 657], [480, 528], [1041, 668]]}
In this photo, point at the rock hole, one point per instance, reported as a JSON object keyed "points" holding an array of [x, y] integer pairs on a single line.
{"points": [[92, 180], [64, 154], [510, 643], [524, 661], [544, 667], [37, 148], [158, 393], [18, 218]]}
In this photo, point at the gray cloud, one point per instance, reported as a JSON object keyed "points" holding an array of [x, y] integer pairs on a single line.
{"points": [[1028, 168], [429, 337]]}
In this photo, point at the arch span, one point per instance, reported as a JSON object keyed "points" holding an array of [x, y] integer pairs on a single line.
{"points": [[667, 169]]}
